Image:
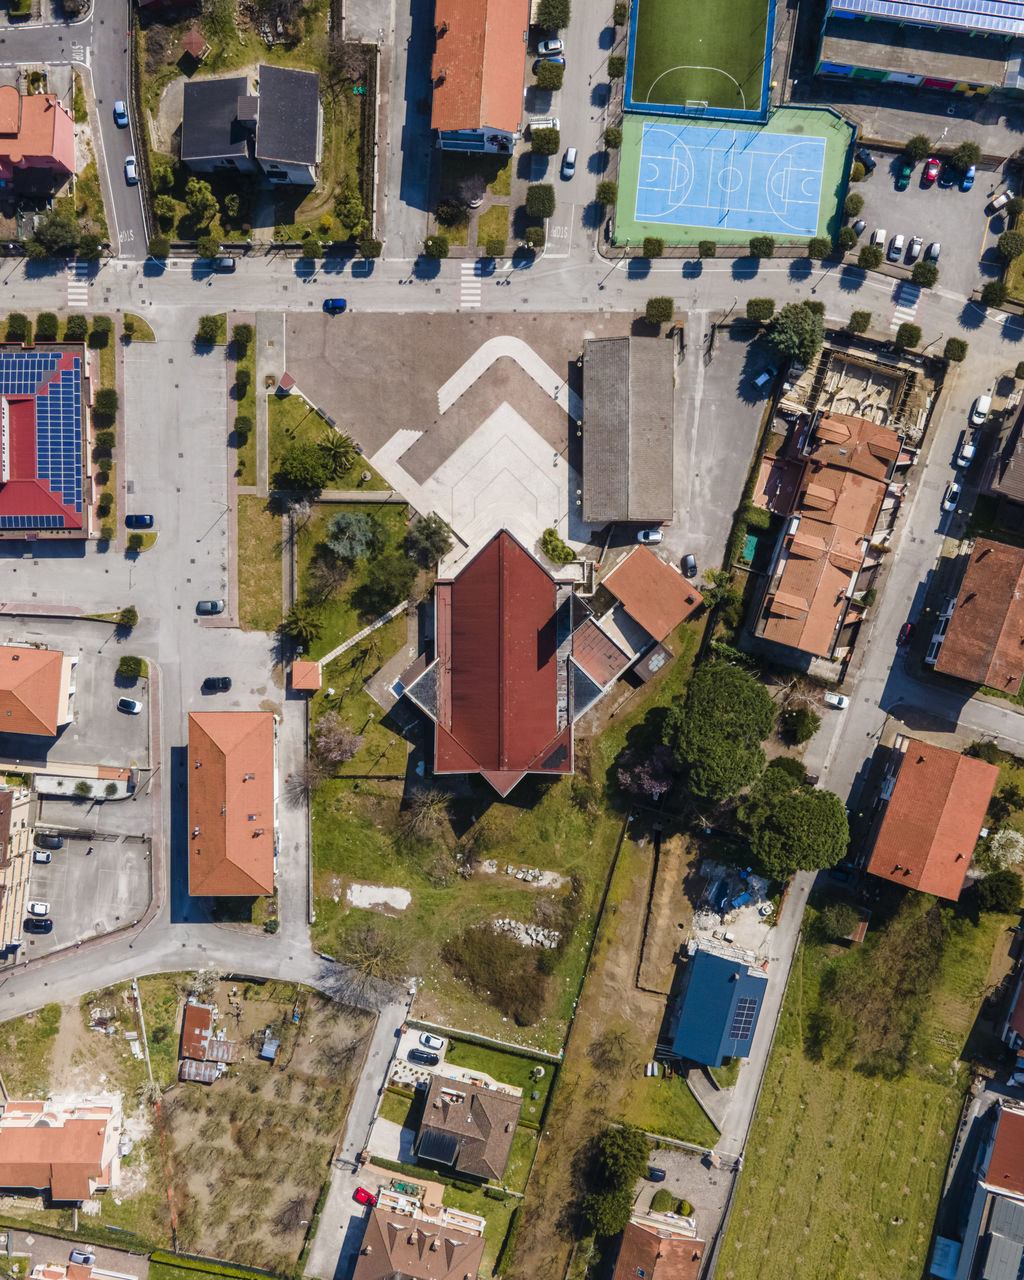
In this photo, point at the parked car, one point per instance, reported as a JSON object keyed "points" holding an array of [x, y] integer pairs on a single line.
{"points": [[951, 496], [544, 122], [649, 535], [906, 634], [689, 566], [334, 306], [138, 522], [80, 1255], [130, 706], [931, 172], [569, 163], [914, 249], [423, 1058], [547, 47], [131, 174], [980, 410], [120, 114], [557, 60], [364, 1197], [903, 177], [654, 1174], [224, 263], [967, 450], [32, 925], [948, 175], [878, 236], [44, 840], [38, 908], [42, 855], [895, 251], [205, 607], [866, 159], [842, 872], [217, 684], [766, 376], [858, 227], [838, 700], [431, 1042], [967, 181], [1000, 202], [931, 254]]}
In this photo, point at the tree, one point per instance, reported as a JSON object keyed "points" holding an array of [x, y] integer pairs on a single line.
{"points": [[435, 247], [801, 723], [654, 247], [303, 622], [955, 350], [924, 274], [57, 235], [545, 142], [616, 66], [428, 539], [797, 331], [90, 247], [918, 148], [762, 246], [793, 826], [129, 667], [105, 441], [706, 248], [339, 452], [241, 336], [371, 248], [853, 204], [353, 535], [128, 617], [860, 322], [349, 208], [390, 582], [232, 204], [1007, 847], [607, 192], [857, 172], [540, 200], [553, 13], [607, 1213], [243, 425], [621, 1155], [907, 336], [376, 950], [613, 137], [425, 813], [76, 329], [159, 247], [838, 919], [846, 238], [200, 201], [760, 309], [659, 310], [716, 733], [47, 327], [555, 548], [819, 247], [549, 76], [83, 788], [135, 542], [333, 740], [993, 293], [303, 468], [327, 574], [966, 154], [1011, 244], [535, 237], [870, 257], [102, 328], [207, 331], [1014, 207], [208, 247], [1000, 891], [647, 774], [495, 247], [166, 209], [311, 248], [620, 11], [106, 403]]}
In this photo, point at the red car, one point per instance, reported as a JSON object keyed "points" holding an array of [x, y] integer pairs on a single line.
{"points": [[906, 634], [365, 1197], [931, 172]]}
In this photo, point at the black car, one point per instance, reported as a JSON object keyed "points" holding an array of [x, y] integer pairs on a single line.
{"points": [[423, 1058], [217, 684], [32, 925], [45, 841], [654, 1174], [224, 264], [138, 522], [866, 159]]}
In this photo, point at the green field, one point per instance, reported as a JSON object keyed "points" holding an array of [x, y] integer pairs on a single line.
{"points": [[692, 49]]}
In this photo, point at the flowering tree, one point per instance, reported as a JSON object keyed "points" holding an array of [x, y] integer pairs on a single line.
{"points": [[647, 774], [333, 740], [1007, 847]]}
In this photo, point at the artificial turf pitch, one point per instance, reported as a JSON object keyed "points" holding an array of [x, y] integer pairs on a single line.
{"points": [[700, 50]]}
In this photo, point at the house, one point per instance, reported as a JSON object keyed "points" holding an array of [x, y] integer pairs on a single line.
{"points": [[719, 1004], [401, 1242], [16, 826], [659, 1246], [628, 430], [845, 467], [967, 47], [983, 639], [67, 1152], [477, 72], [993, 1241], [654, 593], [42, 454], [37, 690], [306, 676], [468, 1127], [232, 803], [933, 804], [1012, 1034], [37, 142], [197, 1038], [275, 130]]}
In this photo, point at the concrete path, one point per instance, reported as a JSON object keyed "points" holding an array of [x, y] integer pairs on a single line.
{"points": [[360, 635]]}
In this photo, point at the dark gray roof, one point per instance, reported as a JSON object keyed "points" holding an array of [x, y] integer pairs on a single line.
{"points": [[209, 125], [628, 440], [1007, 1218], [1003, 1259], [289, 125]]}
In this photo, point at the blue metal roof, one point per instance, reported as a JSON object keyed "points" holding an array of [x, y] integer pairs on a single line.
{"points": [[721, 1004], [995, 17]]}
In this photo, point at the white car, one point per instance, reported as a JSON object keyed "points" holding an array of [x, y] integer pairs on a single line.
{"points": [[649, 535], [39, 908], [914, 249], [431, 1042], [131, 174], [967, 450], [548, 47], [952, 496], [895, 250], [878, 236], [931, 254], [980, 410], [42, 855], [838, 700]]}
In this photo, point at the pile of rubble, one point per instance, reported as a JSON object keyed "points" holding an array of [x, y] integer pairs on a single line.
{"points": [[529, 935]]}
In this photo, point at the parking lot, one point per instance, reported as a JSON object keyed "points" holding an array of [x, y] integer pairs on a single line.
{"points": [[92, 888], [955, 218]]}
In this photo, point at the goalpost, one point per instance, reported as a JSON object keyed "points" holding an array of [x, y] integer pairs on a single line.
{"points": [[696, 106]]}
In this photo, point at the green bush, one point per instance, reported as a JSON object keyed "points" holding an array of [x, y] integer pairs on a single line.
{"points": [[208, 247], [801, 723], [553, 13], [762, 247], [311, 248], [106, 403], [966, 154], [1011, 244], [549, 76], [207, 331], [241, 336], [540, 200], [18, 328], [545, 142], [76, 329], [613, 137], [907, 336], [853, 204], [620, 11], [760, 309], [860, 322], [99, 334], [870, 257], [663, 1201], [435, 247], [130, 667], [819, 247], [607, 192], [924, 274], [846, 238], [535, 237], [707, 248], [857, 172], [47, 327], [555, 549], [993, 293], [1014, 207], [243, 424], [918, 148], [135, 541], [105, 441], [870, 596], [659, 310], [495, 1193], [243, 380], [159, 247], [166, 209], [1018, 372], [371, 248], [495, 247], [654, 247], [616, 66]]}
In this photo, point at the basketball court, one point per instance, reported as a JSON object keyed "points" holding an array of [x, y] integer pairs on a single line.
{"points": [[726, 179]]}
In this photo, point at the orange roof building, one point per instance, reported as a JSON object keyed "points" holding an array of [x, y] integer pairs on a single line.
{"points": [[984, 640], [36, 690], [306, 676], [69, 1152], [232, 803], [658, 1248], [652, 592], [933, 817], [478, 73], [37, 138], [1006, 1164]]}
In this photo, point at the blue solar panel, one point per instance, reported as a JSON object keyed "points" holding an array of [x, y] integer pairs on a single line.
{"points": [[743, 1018], [1002, 17], [58, 425]]}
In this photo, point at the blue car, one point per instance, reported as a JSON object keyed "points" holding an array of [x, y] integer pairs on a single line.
{"points": [[120, 114], [334, 306], [559, 62], [967, 181]]}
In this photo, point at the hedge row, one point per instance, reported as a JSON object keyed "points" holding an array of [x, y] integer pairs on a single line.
{"points": [[188, 1263]]}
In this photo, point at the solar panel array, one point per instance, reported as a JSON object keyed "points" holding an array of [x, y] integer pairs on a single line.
{"points": [[743, 1018], [58, 426], [1000, 17]]}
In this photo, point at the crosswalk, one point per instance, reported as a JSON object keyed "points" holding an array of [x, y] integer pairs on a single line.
{"points": [[906, 297], [78, 284], [472, 285]]}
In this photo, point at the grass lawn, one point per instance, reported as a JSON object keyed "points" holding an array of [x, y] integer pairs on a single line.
{"points": [[259, 565], [103, 344], [520, 1159], [731, 53], [25, 1046], [728, 1073], [456, 234], [501, 184], [509, 1068], [292, 420], [143, 332], [494, 171], [89, 201], [247, 463], [492, 223], [159, 1008], [383, 751], [400, 1110]]}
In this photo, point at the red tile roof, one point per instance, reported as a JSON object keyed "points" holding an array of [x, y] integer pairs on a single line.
{"points": [[478, 64], [657, 1255], [61, 1153], [231, 803], [30, 688], [855, 444], [306, 676], [652, 592], [933, 819], [36, 132], [1006, 1164], [985, 636]]}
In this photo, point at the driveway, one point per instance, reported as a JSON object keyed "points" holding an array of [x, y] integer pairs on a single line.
{"points": [[392, 1141], [689, 1177], [43, 1249], [405, 176]]}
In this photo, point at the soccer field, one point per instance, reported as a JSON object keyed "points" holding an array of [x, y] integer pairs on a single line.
{"points": [[700, 51]]}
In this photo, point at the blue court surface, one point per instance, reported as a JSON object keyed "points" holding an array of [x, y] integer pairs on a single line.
{"points": [[730, 179]]}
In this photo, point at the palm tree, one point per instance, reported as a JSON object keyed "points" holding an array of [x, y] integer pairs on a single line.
{"points": [[339, 452], [304, 622]]}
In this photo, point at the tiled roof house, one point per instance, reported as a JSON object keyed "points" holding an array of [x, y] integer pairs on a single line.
{"points": [[69, 1152], [984, 639], [36, 690], [468, 1127], [37, 139], [654, 1249], [404, 1246]]}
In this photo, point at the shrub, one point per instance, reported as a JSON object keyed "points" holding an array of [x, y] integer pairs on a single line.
{"points": [[663, 1201], [135, 541], [371, 248], [553, 13], [925, 274], [613, 137], [208, 247], [1014, 207], [819, 247], [1000, 891], [859, 322], [918, 148], [801, 723], [436, 247], [47, 326], [1019, 371], [616, 66], [654, 247], [966, 154], [607, 192], [106, 403], [105, 504], [535, 237], [165, 209], [870, 257], [241, 336], [102, 328], [129, 667], [549, 76], [857, 172], [846, 238], [354, 535], [659, 310], [128, 327], [853, 204], [499, 970], [243, 379], [545, 142], [1011, 244], [555, 549], [620, 11], [760, 309], [428, 539], [993, 293], [762, 247], [243, 424], [707, 248], [540, 200], [105, 441], [272, 925], [495, 247], [207, 330], [18, 329], [76, 329], [159, 247], [311, 248], [907, 335]]}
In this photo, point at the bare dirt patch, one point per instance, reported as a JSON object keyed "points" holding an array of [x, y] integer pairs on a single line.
{"points": [[670, 915], [378, 897]]}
